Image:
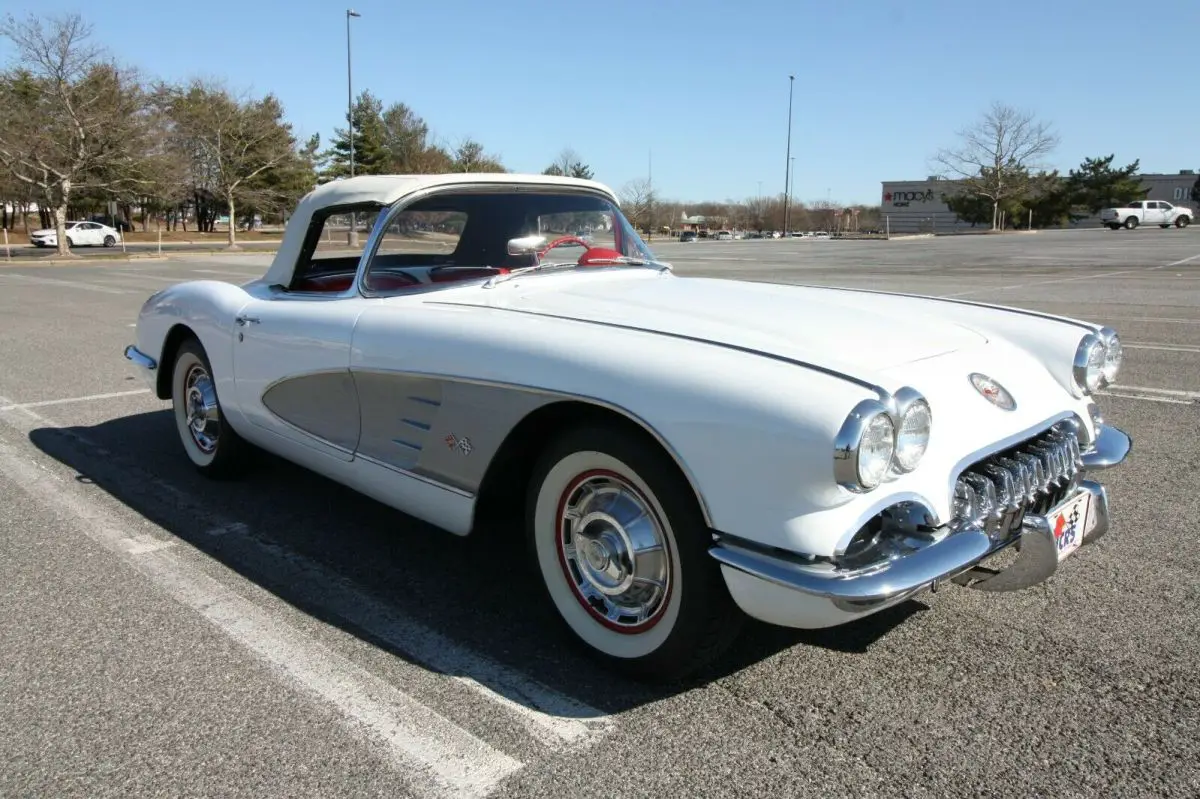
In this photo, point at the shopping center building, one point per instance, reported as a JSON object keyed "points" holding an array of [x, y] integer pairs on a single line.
{"points": [[916, 206]]}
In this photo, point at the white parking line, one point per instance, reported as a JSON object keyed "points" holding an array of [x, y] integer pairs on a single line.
{"points": [[242, 275], [1137, 345], [1169, 395], [445, 759], [549, 717], [1102, 275], [70, 284], [89, 398]]}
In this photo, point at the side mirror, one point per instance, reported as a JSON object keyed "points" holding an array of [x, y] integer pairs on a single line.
{"points": [[526, 245]]}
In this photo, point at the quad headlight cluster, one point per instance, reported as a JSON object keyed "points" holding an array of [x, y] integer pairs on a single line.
{"points": [[881, 439], [1097, 360]]}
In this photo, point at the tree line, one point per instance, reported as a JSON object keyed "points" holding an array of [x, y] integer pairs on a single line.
{"points": [[80, 131], [1000, 177]]}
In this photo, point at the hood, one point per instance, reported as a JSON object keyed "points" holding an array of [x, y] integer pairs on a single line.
{"points": [[851, 332], [49, 231]]}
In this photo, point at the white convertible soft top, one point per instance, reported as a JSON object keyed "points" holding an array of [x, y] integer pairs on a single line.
{"points": [[385, 190]]}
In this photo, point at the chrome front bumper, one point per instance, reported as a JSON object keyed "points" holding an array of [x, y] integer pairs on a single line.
{"points": [[140, 358], [853, 593]]}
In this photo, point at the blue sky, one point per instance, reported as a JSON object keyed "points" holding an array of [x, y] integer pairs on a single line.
{"points": [[702, 84]]}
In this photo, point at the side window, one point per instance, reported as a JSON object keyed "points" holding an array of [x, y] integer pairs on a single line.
{"points": [[1165, 206], [1135, 204], [333, 245]]}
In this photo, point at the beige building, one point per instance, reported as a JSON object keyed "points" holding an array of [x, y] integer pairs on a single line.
{"points": [[916, 206]]}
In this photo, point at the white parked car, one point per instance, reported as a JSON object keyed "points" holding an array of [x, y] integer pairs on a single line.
{"points": [[682, 451], [79, 234], [1146, 212]]}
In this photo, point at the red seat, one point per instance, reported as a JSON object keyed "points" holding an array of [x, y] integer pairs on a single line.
{"points": [[330, 283], [448, 274]]}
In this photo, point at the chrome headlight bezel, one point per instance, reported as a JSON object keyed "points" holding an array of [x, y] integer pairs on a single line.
{"points": [[1087, 369], [909, 401], [847, 447]]}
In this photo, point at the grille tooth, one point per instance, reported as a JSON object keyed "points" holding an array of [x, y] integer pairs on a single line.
{"points": [[1031, 477]]}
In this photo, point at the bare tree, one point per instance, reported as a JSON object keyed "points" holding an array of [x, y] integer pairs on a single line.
{"points": [[469, 156], [72, 119], [230, 142], [997, 154], [637, 202]]}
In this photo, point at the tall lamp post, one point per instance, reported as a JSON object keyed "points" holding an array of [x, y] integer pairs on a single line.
{"points": [[792, 176], [787, 183], [350, 12]]}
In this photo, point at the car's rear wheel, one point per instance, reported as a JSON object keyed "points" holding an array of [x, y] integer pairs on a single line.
{"points": [[1131, 223], [109, 241], [1183, 221], [621, 546], [213, 447], [1113, 226]]}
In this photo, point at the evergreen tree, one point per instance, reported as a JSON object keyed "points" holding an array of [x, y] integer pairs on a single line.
{"points": [[1096, 185], [371, 155]]}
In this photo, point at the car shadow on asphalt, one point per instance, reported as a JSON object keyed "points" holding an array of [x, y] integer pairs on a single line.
{"points": [[300, 536]]}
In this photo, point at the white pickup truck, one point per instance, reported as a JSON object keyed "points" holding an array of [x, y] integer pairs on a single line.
{"points": [[1146, 212]]}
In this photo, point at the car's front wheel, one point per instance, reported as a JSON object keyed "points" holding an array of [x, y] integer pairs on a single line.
{"points": [[1183, 221], [109, 241], [213, 447], [621, 547]]}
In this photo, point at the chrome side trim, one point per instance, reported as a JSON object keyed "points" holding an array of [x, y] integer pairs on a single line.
{"points": [[414, 475], [884, 395], [955, 301], [140, 358], [1110, 448], [563, 395]]}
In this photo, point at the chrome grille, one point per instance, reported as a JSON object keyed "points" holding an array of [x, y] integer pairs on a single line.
{"points": [[994, 494]]}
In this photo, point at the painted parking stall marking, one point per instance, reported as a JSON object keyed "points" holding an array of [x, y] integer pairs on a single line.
{"points": [[446, 759]]}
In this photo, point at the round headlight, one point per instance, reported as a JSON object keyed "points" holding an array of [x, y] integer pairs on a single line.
{"points": [[875, 450], [864, 446], [1113, 355], [1089, 364], [913, 435]]}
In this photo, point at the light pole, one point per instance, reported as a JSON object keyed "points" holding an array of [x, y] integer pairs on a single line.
{"points": [[350, 12], [792, 177], [787, 183]]}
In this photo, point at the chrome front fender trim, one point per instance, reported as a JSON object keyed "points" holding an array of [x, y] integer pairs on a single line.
{"points": [[140, 358], [1110, 448]]}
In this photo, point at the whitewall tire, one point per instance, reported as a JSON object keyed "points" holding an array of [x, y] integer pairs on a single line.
{"points": [[213, 447], [621, 548]]}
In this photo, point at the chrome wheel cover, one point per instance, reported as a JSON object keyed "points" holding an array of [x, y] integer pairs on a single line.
{"points": [[613, 551], [203, 414]]}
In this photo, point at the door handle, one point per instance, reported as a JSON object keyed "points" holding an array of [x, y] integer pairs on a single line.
{"points": [[242, 321]]}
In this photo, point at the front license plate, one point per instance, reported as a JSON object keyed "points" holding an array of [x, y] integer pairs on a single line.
{"points": [[1070, 522]]}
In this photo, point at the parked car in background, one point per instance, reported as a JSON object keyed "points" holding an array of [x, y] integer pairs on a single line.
{"points": [[724, 235], [679, 452], [686, 236], [1146, 212], [79, 234]]}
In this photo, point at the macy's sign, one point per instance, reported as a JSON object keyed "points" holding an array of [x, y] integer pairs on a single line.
{"points": [[903, 198]]}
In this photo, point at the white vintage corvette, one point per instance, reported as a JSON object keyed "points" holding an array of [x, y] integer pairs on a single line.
{"points": [[683, 451]]}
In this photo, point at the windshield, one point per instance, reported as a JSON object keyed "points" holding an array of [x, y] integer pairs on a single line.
{"points": [[473, 229]]}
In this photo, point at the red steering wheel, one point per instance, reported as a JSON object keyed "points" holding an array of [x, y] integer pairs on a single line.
{"points": [[561, 241]]}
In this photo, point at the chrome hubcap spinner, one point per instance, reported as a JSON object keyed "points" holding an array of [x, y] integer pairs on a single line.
{"points": [[613, 551], [200, 405]]}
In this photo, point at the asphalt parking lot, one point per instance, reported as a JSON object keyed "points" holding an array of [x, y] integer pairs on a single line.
{"points": [[283, 636]]}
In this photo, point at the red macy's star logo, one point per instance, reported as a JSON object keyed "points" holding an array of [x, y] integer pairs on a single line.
{"points": [[887, 198]]}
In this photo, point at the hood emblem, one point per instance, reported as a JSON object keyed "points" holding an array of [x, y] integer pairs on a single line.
{"points": [[993, 392]]}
